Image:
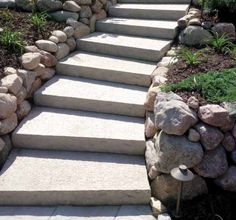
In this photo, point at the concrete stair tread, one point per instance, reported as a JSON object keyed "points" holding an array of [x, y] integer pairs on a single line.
{"points": [[155, 1], [48, 128], [33, 177], [106, 67], [122, 45], [92, 95], [127, 212], [140, 22]]}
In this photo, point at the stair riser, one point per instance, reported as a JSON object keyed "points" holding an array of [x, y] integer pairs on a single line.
{"points": [[146, 13], [135, 53], [155, 1], [89, 105], [75, 197], [85, 144], [135, 30], [103, 74]]}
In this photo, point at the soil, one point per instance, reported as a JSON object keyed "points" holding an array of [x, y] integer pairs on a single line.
{"points": [[213, 62], [10, 19]]}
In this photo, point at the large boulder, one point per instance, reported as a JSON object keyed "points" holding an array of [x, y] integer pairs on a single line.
{"points": [[49, 5], [28, 78], [194, 36], [174, 117], [46, 45], [214, 115], [213, 164], [228, 180], [175, 150], [8, 105], [26, 5], [12, 82], [9, 124], [165, 188], [210, 137], [225, 28], [62, 16]]}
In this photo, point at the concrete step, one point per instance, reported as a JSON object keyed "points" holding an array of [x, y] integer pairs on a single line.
{"points": [[125, 212], [149, 49], [35, 177], [155, 1], [47, 128], [92, 95], [149, 11], [138, 27], [105, 67]]}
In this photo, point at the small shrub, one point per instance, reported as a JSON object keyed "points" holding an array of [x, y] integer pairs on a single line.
{"points": [[39, 20], [214, 86], [190, 57], [12, 40], [221, 43]]}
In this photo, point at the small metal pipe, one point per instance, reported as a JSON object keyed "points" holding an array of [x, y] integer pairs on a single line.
{"points": [[179, 199]]}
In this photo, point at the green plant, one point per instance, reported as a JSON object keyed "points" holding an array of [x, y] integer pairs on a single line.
{"points": [[221, 43], [39, 20], [13, 40], [190, 57], [218, 4], [214, 86], [6, 16]]}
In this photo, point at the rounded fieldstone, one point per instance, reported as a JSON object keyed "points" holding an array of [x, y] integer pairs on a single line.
{"points": [[28, 78], [30, 60], [8, 105], [23, 109], [46, 45], [62, 16], [48, 59], [213, 164], [193, 102], [229, 142], [21, 95], [71, 43], [54, 39], [71, 6], [12, 82], [62, 37], [69, 31], [62, 51], [151, 97], [9, 124], [150, 154], [9, 71], [175, 150], [81, 31], [49, 5], [193, 135]]}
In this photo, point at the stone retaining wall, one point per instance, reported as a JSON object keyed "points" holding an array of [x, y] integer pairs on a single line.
{"points": [[17, 86], [200, 137]]}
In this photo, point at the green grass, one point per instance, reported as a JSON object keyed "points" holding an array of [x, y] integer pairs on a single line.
{"points": [[215, 87], [39, 20]]}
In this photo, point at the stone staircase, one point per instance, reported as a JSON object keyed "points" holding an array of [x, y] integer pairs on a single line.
{"points": [[83, 143]]}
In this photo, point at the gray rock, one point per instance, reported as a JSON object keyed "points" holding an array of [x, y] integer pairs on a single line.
{"points": [[229, 142], [62, 16], [9, 124], [8, 105], [71, 6], [69, 31], [193, 102], [26, 5], [62, 51], [7, 3], [150, 154], [5, 148], [193, 135], [62, 37], [28, 78], [211, 137], [12, 82], [194, 36], [233, 156], [85, 12], [48, 59], [46, 45], [71, 43], [175, 150], [230, 107], [49, 5], [165, 188], [81, 31], [213, 164], [228, 180], [23, 109], [225, 28], [174, 117]]}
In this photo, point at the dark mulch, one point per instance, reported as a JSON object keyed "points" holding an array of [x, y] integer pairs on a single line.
{"points": [[20, 21], [207, 207], [181, 70]]}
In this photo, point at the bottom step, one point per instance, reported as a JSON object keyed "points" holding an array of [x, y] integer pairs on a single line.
{"points": [[35, 177], [77, 213]]}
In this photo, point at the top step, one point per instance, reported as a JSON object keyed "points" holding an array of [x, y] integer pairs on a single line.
{"points": [[156, 1], [149, 11]]}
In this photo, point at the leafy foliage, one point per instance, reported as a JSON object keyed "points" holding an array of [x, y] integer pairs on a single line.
{"points": [[221, 43], [190, 57], [217, 4], [39, 20], [13, 40], [214, 86]]}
